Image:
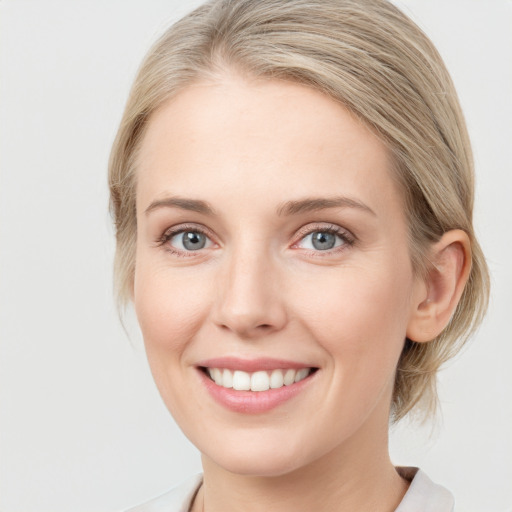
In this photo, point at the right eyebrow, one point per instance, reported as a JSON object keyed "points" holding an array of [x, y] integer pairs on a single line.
{"points": [[321, 203], [193, 205]]}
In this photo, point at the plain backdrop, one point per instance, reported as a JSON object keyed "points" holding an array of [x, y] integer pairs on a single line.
{"points": [[82, 426]]}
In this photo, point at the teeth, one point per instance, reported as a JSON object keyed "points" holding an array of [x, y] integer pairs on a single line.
{"points": [[289, 377], [260, 381], [216, 375], [227, 379], [241, 381], [257, 381], [301, 374], [276, 379]]}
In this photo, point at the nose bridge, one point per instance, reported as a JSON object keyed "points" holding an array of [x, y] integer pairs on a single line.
{"points": [[249, 302]]}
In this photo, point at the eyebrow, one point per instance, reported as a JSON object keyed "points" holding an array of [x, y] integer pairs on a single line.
{"points": [[311, 204], [193, 205]]}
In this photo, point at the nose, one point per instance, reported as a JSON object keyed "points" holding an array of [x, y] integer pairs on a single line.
{"points": [[250, 301]]}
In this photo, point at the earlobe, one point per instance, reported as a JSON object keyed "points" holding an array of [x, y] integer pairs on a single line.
{"points": [[440, 292]]}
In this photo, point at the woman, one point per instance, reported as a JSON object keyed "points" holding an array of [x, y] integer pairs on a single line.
{"points": [[292, 189]]}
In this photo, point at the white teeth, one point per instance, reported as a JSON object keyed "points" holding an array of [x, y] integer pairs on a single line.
{"points": [[301, 374], [260, 381], [227, 379], [257, 381], [289, 377], [276, 379], [216, 375], [241, 381]]}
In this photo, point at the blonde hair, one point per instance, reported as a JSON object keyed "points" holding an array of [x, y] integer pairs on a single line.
{"points": [[367, 55]]}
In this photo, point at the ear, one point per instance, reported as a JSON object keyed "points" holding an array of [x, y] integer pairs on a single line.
{"points": [[437, 295]]}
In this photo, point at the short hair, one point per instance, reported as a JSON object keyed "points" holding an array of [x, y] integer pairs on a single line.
{"points": [[370, 57]]}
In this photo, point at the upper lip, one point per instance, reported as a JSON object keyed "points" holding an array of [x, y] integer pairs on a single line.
{"points": [[251, 365]]}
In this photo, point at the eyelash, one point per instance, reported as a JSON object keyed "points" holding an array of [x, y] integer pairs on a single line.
{"points": [[346, 237], [183, 228]]}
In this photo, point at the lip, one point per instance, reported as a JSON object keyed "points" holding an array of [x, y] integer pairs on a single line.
{"points": [[251, 365], [252, 402]]}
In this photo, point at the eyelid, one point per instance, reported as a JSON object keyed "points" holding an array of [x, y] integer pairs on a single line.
{"points": [[348, 237], [171, 232], [343, 233]]}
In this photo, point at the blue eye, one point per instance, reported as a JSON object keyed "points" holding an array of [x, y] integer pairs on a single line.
{"points": [[189, 241], [322, 240]]}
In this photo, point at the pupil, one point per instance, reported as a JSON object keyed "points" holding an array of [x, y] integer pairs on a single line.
{"points": [[193, 241], [323, 241]]}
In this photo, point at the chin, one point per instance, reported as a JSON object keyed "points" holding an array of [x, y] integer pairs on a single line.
{"points": [[264, 458], [257, 466]]}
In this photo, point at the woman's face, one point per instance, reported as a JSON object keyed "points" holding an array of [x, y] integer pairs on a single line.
{"points": [[271, 247]]}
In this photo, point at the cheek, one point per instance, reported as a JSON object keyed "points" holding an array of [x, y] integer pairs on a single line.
{"points": [[361, 324], [170, 310], [361, 316], [169, 307]]}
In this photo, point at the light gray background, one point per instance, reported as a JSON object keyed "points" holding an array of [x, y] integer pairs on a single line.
{"points": [[82, 426]]}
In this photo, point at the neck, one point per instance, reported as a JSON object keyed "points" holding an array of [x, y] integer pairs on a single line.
{"points": [[357, 475]]}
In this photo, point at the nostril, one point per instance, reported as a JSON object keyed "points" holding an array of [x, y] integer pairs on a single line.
{"points": [[246, 331]]}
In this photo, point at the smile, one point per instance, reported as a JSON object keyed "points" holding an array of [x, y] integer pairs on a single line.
{"points": [[262, 380], [255, 386]]}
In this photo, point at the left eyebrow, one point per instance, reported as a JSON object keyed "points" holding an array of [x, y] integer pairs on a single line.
{"points": [[311, 204], [182, 203]]}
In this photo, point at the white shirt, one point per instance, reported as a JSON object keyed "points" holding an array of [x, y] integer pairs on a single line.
{"points": [[423, 495]]}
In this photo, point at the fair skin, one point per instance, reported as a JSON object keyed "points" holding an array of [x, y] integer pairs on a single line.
{"points": [[271, 235]]}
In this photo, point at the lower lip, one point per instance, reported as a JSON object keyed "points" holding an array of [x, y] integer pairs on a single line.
{"points": [[253, 402]]}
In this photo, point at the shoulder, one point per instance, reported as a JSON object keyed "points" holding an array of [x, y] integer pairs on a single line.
{"points": [[177, 499], [423, 495]]}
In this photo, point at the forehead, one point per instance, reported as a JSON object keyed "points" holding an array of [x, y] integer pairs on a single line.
{"points": [[256, 136]]}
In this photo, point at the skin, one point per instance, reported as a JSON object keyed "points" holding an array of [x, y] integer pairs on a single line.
{"points": [[260, 289]]}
